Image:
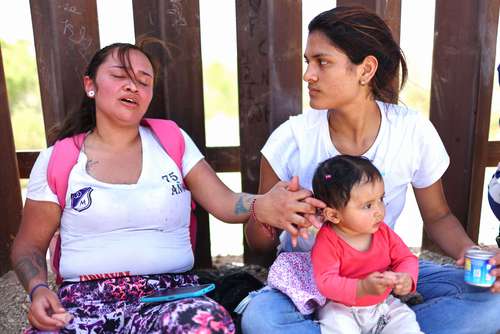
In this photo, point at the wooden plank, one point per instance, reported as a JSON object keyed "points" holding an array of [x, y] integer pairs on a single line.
{"points": [[493, 154], [269, 80], [487, 37], [66, 37], [222, 160], [25, 162], [461, 97], [179, 92], [10, 191], [389, 10]]}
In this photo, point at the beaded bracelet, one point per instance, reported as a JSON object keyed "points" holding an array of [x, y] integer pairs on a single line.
{"points": [[271, 231], [39, 285]]}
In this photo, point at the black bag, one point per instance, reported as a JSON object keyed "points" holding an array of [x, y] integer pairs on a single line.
{"points": [[230, 289]]}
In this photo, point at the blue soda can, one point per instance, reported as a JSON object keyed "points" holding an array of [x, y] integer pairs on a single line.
{"points": [[477, 268]]}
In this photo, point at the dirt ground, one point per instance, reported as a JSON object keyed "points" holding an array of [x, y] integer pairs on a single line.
{"points": [[15, 303]]}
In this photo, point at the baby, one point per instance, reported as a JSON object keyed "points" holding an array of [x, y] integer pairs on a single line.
{"points": [[357, 259]]}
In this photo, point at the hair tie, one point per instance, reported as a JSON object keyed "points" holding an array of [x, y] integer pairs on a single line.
{"points": [[328, 176]]}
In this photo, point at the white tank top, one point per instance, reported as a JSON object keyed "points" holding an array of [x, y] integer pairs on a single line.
{"points": [[110, 230]]}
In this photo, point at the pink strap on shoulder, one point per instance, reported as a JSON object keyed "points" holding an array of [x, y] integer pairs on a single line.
{"points": [[170, 137], [64, 156]]}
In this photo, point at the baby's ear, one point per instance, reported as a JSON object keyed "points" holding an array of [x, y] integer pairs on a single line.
{"points": [[332, 215]]}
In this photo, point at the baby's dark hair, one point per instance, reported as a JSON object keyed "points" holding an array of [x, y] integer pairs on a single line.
{"points": [[334, 178]]}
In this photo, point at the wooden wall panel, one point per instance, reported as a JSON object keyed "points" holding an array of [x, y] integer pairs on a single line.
{"points": [[462, 78], [269, 80], [179, 92], [66, 37], [10, 191], [389, 10], [222, 159], [487, 36], [493, 153]]}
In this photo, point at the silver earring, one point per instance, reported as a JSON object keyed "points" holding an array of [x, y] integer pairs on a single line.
{"points": [[91, 93]]}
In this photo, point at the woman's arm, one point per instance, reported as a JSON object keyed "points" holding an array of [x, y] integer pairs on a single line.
{"points": [[445, 229], [276, 206], [441, 225], [39, 223], [256, 236], [212, 194]]}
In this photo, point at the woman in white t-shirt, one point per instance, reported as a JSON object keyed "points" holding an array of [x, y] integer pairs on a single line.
{"points": [[125, 225], [352, 64]]}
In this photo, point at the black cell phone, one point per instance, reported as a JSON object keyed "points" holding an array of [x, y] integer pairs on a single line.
{"points": [[166, 295]]}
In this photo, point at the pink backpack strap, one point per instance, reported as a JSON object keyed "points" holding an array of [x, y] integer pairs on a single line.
{"points": [[64, 156], [171, 139]]}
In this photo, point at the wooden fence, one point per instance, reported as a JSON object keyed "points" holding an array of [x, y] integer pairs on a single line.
{"points": [[269, 82]]}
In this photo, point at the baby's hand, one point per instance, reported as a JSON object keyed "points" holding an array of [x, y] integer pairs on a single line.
{"points": [[391, 277], [375, 284], [403, 284]]}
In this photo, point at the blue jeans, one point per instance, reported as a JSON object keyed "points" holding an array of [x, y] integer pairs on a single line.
{"points": [[450, 306]]}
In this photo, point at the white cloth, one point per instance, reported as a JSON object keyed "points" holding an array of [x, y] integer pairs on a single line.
{"points": [[389, 317], [407, 150], [139, 229]]}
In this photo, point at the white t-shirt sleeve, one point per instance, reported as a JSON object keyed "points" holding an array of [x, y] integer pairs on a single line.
{"points": [[38, 187], [282, 152], [432, 159], [192, 154]]}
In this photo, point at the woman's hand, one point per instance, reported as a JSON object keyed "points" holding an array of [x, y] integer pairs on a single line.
{"points": [[287, 207], [495, 261], [46, 312], [283, 206]]}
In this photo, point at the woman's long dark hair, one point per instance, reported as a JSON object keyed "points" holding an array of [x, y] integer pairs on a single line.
{"points": [[83, 119], [360, 33]]}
